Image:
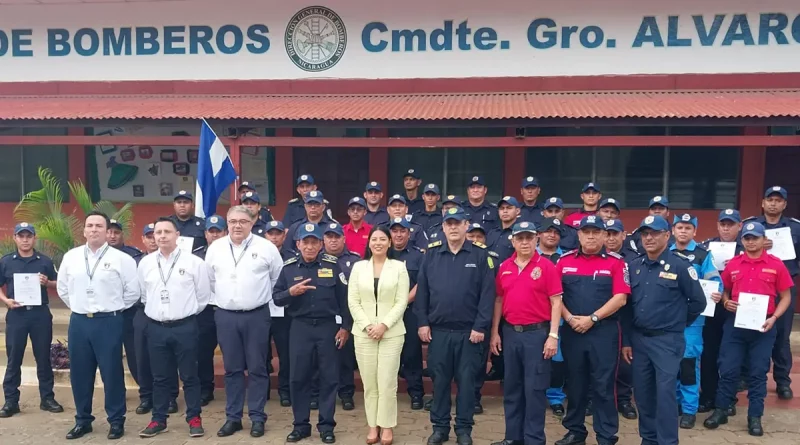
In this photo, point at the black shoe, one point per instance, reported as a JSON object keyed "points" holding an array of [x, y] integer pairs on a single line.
{"points": [[417, 403], [589, 409], [437, 438], [314, 404], [785, 393], [285, 401], [717, 418], [742, 386], [463, 439], [571, 439], [348, 404], [173, 406], [196, 427], [327, 437], [79, 431], [297, 436], [628, 411], [478, 408], [116, 432], [9, 409], [50, 405], [494, 375], [558, 409], [229, 428], [731, 411], [688, 421], [705, 407], [153, 429], [145, 406], [428, 404], [257, 429], [508, 442], [206, 399], [754, 426], [426, 373]]}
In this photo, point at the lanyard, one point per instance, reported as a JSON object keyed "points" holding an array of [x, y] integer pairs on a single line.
{"points": [[94, 269], [169, 274], [241, 255]]}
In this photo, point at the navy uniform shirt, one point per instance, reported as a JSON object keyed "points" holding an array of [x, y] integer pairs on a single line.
{"points": [[627, 253], [531, 213], [328, 300], [133, 252], [286, 253], [296, 211], [290, 241], [554, 257], [265, 215], [456, 292], [14, 263], [569, 238], [194, 227], [412, 257], [665, 295], [486, 214], [346, 261], [427, 220], [415, 205], [794, 226], [377, 218], [436, 233], [499, 241]]}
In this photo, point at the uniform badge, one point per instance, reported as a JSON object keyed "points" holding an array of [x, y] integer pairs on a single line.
{"points": [[693, 273], [691, 257], [750, 226], [342, 278], [491, 263], [181, 271], [638, 271], [107, 266], [626, 274], [325, 273], [298, 278], [668, 276], [666, 267], [197, 223], [536, 273], [213, 219], [347, 263], [255, 255], [309, 227]]}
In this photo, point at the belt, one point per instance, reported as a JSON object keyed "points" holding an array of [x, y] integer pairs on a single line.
{"points": [[315, 321], [101, 314], [652, 332], [242, 311], [172, 323], [30, 308], [529, 327]]}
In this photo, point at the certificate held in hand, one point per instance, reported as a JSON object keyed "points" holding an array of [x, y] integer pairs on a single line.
{"points": [[27, 289], [752, 311]]}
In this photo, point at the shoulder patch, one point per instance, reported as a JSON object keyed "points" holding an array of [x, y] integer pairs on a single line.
{"points": [[290, 261], [700, 246], [329, 258], [417, 248], [435, 244], [199, 249], [493, 254], [680, 255], [477, 244], [615, 255], [491, 204], [750, 218], [294, 200]]}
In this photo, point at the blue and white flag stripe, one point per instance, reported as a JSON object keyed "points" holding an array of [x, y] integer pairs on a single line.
{"points": [[215, 172]]}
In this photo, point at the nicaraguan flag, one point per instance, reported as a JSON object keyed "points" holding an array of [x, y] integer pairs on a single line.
{"points": [[215, 172]]}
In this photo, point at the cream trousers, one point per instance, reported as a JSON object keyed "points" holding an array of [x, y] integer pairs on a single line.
{"points": [[378, 363]]}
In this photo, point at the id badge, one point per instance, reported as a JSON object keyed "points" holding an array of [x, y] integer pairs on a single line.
{"points": [[164, 296], [90, 292]]}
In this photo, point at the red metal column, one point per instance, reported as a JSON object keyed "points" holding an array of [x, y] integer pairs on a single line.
{"points": [[751, 174], [379, 159], [284, 168], [514, 167]]}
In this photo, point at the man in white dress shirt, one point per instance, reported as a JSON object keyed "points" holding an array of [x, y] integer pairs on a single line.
{"points": [[175, 288], [243, 269], [97, 283]]}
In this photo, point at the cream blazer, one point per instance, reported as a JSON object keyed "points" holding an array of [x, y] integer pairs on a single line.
{"points": [[390, 304]]}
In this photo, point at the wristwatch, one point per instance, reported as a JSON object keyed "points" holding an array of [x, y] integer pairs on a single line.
{"points": [[594, 318], [553, 334]]}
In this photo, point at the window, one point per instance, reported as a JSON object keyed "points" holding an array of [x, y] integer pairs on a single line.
{"points": [[19, 171]]}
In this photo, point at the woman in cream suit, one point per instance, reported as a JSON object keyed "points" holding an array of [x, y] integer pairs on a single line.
{"points": [[377, 297]]}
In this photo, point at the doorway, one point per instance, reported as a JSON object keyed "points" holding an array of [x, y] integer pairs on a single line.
{"points": [[340, 174]]}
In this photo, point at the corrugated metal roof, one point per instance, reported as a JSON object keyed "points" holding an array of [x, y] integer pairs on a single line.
{"points": [[425, 107]]}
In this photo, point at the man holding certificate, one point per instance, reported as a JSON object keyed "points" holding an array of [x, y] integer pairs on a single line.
{"points": [[27, 274], [751, 282]]}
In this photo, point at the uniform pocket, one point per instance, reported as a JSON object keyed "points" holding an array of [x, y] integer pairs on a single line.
{"points": [[541, 378]]}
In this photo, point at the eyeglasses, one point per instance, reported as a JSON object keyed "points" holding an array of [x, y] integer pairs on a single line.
{"points": [[239, 222], [652, 234]]}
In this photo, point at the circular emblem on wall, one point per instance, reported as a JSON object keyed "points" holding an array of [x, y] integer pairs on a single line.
{"points": [[315, 39]]}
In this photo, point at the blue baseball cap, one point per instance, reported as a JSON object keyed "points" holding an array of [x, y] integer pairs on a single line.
{"points": [[411, 172], [550, 223], [476, 180], [456, 213], [396, 198], [592, 221], [432, 188], [251, 196], [685, 218], [373, 186], [510, 200], [610, 202], [523, 227], [614, 225], [530, 181], [334, 228], [399, 221], [305, 178], [314, 196], [452, 199], [150, 228], [246, 185], [753, 229], [115, 223], [183, 194], [357, 201], [730, 215], [476, 226], [557, 202], [659, 200], [307, 230], [776, 189], [216, 222], [24, 227], [590, 186], [275, 225], [654, 222]]}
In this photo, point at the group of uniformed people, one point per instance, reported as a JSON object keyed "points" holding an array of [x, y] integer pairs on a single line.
{"points": [[570, 306]]}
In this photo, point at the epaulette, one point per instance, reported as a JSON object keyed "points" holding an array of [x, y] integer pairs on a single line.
{"points": [[417, 248], [435, 244], [134, 249], [795, 220], [329, 258], [573, 251], [615, 255], [680, 255], [294, 200], [199, 249], [700, 246], [493, 253], [492, 204], [354, 253], [477, 244], [11, 254], [748, 219], [290, 261]]}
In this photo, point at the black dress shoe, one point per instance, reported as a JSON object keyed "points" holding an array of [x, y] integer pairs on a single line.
{"points": [[206, 399], [742, 386], [558, 409], [571, 439], [50, 405], [717, 418], [589, 409], [463, 439], [688, 421], [145, 406], [705, 407], [348, 404], [437, 438], [731, 411], [509, 442], [428, 404], [79, 431], [229, 428], [116, 432], [9, 409], [173, 406], [327, 437], [286, 402], [785, 393], [628, 411], [478, 408], [417, 403], [314, 404], [754, 426], [257, 429], [297, 436]]}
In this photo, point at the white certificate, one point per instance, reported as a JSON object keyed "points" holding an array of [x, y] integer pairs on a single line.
{"points": [[275, 310], [185, 243], [27, 289], [782, 245], [752, 311], [709, 287], [722, 252]]}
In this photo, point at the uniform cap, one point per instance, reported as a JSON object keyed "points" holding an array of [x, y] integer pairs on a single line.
{"points": [[150, 228], [659, 200], [685, 218], [476, 226], [396, 198], [251, 196], [591, 221], [357, 201], [334, 228], [456, 213], [314, 196], [530, 181], [610, 202], [24, 227], [114, 223], [523, 227], [557, 202], [510, 200], [183, 194], [776, 189], [246, 185], [307, 230], [432, 188], [216, 222], [411, 172], [730, 215], [654, 222], [275, 225], [614, 225], [476, 180], [453, 199], [551, 223], [753, 229], [590, 186], [373, 186], [399, 222], [305, 178]]}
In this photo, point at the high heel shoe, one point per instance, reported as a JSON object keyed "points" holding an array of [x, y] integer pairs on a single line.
{"points": [[374, 440], [386, 441]]}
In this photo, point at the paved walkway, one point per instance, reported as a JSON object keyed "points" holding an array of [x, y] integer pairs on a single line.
{"points": [[34, 427]]}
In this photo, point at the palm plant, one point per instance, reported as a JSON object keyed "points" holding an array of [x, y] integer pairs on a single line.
{"points": [[57, 231]]}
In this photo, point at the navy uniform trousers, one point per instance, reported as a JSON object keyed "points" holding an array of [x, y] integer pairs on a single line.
{"points": [[656, 362], [591, 362], [97, 342], [36, 322], [140, 325], [347, 368], [206, 347], [244, 340], [712, 342], [411, 355], [173, 347], [129, 342], [279, 331], [527, 377], [310, 340], [451, 356], [781, 352]]}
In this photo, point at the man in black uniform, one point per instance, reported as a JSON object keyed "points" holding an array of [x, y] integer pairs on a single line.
{"points": [[313, 289], [531, 210], [189, 225], [411, 356], [27, 320], [116, 239], [295, 210], [411, 184], [476, 207], [263, 212], [429, 215], [315, 204], [398, 208], [554, 208], [454, 306], [252, 201], [499, 238], [276, 233], [609, 209], [659, 205], [436, 232], [476, 233], [148, 239], [376, 214]]}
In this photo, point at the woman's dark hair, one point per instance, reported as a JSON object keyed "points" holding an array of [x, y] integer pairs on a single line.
{"points": [[390, 253]]}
